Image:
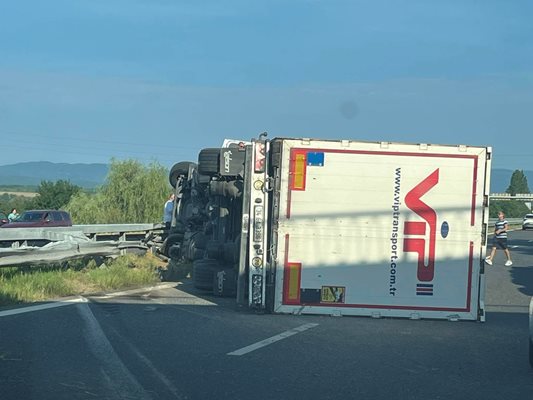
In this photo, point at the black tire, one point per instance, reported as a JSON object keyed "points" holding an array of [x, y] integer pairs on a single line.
{"points": [[225, 283], [208, 162], [174, 271], [177, 170], [174, 252], [203, 272], [203, 179], [171, 240], [231, 252], [200, 240], [198, 254], [215, 250]]}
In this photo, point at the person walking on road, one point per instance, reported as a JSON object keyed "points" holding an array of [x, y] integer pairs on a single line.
{"points": [[167, 212], [500, 240]]}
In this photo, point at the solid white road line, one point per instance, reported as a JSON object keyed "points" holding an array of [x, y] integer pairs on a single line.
{"points": [[68, 302], [271, 340], [121, 383], [40, 307], [170, 386]]}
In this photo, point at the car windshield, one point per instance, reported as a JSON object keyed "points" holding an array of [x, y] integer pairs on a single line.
{"points": [[2, 216], [31, 216], [529, 216]]}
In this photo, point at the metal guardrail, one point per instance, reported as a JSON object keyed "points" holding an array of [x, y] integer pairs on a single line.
{"points": [[64, 250], [20, 246], [115, 228], [512, 221], [114, 231]]}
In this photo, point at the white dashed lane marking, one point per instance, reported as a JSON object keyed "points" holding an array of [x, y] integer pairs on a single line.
{"points": [[273, 339]]}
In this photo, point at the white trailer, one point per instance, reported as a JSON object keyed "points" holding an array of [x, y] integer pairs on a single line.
{"points": [[365, 228]]}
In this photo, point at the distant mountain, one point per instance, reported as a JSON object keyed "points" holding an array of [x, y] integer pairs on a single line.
{"points": [[501, 178], [92, 175], [32, 173]]}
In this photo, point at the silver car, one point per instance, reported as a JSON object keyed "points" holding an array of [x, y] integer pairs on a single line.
{"points": [[527, 222]]}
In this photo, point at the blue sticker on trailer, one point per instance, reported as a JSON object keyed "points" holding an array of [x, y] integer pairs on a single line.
{"points": [[315, 159]]}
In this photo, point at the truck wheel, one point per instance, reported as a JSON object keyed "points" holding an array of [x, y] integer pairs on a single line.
{"points": [[174, 252], [198, 254], [200, 240], [231, 252], [208, 162], [215, 250], [177, 170], [174, 271], [203, 272], [225, 283], [171, 240]]}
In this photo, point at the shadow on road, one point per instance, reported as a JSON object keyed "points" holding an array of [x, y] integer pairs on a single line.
{"points": [[523, 277], [524, 246]]}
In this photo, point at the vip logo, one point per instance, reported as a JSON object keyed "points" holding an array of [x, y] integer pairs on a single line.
{"points": [[424, 244]]}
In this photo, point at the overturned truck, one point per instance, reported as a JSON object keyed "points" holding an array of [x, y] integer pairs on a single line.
{"points": [[336, 227]]}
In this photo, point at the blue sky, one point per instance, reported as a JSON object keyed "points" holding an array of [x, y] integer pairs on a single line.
{"points": [[157, 80]]}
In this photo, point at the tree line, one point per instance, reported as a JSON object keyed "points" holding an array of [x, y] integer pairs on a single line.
{"points": [[133, 192], [512, 208]]}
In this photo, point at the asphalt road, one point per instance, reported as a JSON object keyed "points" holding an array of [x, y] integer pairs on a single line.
{"points": [[171, 343]]}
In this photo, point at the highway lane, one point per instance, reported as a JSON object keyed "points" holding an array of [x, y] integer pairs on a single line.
{"points": [[173, 344]]}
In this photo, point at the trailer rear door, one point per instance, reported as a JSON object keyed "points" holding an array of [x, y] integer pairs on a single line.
{"points": [[381, 229]]}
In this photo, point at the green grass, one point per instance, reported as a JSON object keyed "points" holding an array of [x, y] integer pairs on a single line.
{"points": [[26, 285]]}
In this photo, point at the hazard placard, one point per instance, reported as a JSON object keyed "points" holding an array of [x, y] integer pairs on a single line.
{"points": [[332, 294]]}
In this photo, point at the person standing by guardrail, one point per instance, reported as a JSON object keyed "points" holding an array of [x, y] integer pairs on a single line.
{"points": [[500, 240], [167, 211]]}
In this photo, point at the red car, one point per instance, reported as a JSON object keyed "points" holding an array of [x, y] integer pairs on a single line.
{"points": [[3, 219], [40, 219]]}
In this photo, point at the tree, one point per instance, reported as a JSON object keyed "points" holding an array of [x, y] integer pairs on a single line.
{"points": [[85, 208], [54, 195], [511, 208], [132, 193], [10, 201], [518, 183]]}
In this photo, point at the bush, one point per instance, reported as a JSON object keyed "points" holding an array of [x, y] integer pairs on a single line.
{"points": [[132, 193], [511, 208], [23, 284]]}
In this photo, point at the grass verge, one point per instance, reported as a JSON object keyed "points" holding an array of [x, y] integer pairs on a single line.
{"points": [[26, 285]]}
